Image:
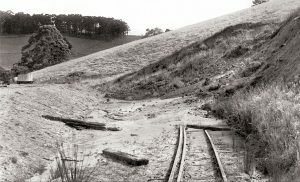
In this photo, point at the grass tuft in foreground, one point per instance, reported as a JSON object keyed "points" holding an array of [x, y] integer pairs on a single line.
{"points": [[71, 166], [269, 118]]}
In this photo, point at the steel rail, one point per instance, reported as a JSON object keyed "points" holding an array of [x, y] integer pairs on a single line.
{"points": [[182, 156], [177, 156], [220, 166]]}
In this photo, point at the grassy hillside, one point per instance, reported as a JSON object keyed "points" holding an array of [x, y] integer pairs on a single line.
{"points": [[10, 47], [205, 65], [137, 54]]}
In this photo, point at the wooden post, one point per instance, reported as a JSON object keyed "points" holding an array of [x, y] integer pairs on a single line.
{"points": [[249, 162]]}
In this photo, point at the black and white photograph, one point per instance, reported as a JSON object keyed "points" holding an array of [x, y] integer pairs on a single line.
{"points": [[149, 91]]}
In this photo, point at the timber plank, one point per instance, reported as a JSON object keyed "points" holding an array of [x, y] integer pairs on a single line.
{"points": [[125, 157], [77, 124], [209, 127]]}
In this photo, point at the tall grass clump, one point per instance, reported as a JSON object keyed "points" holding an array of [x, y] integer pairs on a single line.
{"points": [[71, 166], [269, 118]]}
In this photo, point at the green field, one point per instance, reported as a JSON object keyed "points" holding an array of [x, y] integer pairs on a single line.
{"points": [[11, 45]]}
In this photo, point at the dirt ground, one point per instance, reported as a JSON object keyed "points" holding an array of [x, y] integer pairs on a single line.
{"points": [[28, 141]]}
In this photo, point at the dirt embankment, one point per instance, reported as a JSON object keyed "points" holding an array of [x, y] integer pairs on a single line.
{"points": [[281, 53]]}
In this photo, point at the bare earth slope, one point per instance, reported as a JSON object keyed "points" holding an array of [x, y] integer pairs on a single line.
{"points": [[137, 54]]}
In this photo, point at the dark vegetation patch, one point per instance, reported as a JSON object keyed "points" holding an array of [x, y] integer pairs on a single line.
{"points": [[5, 76], [73, 24], [268, 117]]}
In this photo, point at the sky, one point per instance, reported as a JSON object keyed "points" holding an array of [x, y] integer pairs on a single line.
{"points": [[139, 14]]}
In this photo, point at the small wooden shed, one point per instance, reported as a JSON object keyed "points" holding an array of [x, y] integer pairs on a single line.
{"points": [[25, 78]]}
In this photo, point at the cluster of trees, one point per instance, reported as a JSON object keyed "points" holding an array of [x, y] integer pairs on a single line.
{"points": [[257, 2], [3, 16], [154, 31], [45, 48], [73, 24]]}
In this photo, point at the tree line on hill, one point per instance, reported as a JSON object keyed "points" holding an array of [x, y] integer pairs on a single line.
{"points": [[154, 31], [72, 24], [257, 2]]}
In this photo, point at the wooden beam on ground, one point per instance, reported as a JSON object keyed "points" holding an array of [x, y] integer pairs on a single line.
{"points": [[77, 124], [125, 157], [209, 127]]}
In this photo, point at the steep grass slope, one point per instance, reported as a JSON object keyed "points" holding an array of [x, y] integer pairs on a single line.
{"points": [[206, 65], [11, 45], [137, 54]]}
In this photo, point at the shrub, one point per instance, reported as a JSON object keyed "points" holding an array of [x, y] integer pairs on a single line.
{"points": [[269, 119], [5, 76]]}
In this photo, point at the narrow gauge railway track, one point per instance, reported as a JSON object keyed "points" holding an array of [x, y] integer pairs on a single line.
{"points": [[197, 158]]}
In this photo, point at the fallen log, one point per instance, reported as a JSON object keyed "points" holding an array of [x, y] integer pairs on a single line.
{"points": [[77, 124], [209, 127], [125, 157]]}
